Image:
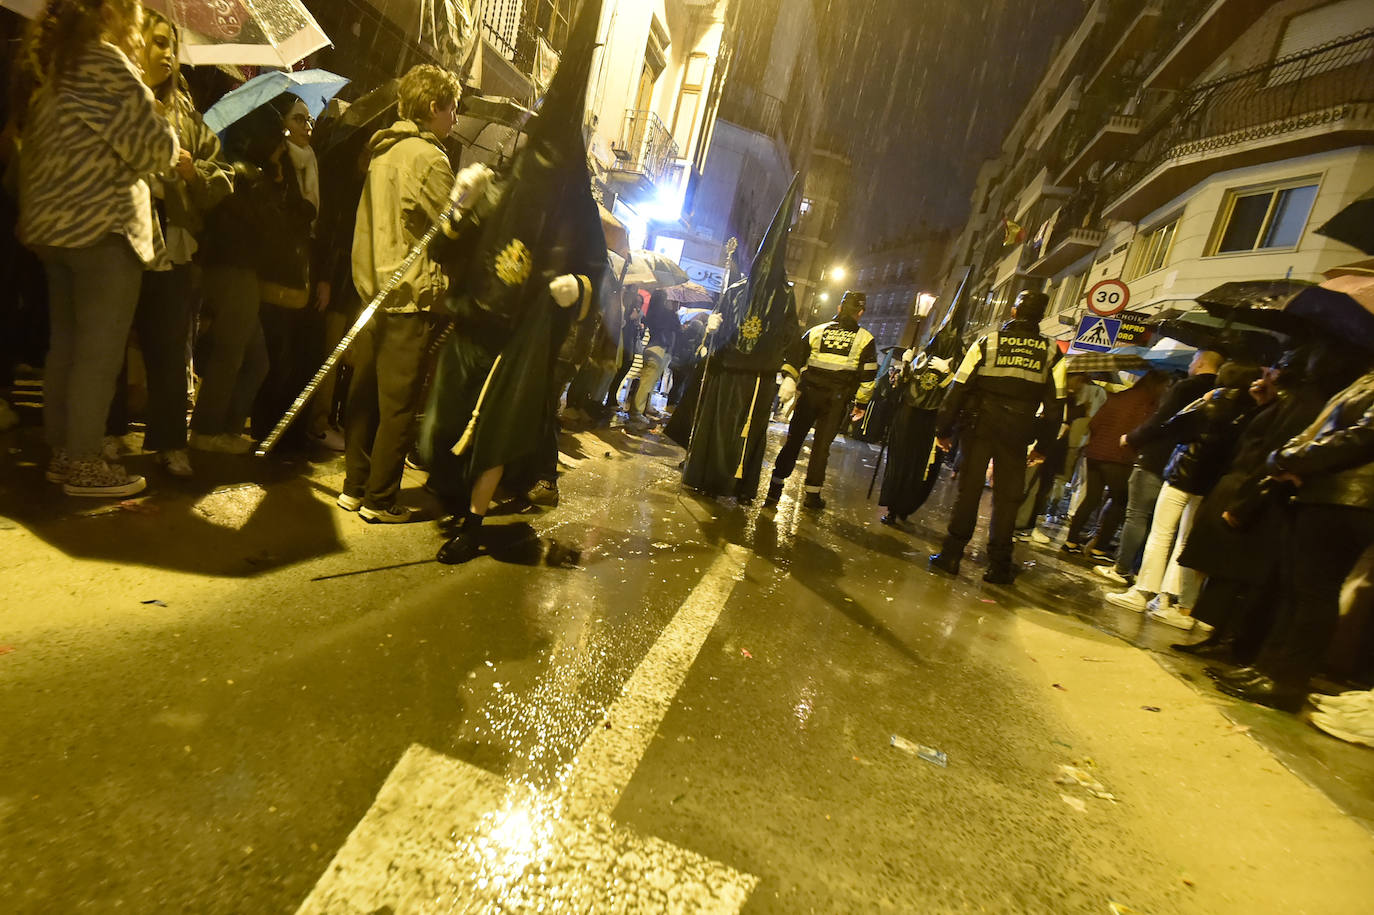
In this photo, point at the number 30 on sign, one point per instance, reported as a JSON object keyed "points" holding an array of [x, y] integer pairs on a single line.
{"points": [[1109, 297]]}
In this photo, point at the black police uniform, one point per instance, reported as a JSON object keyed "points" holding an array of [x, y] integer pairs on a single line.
{"points": [[838, 365], [1007, 393]]}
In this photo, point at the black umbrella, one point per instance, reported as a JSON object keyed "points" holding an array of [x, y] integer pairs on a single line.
{"points": [[370, 113], [1248, 344], [1354, 224], [1305, 310]]}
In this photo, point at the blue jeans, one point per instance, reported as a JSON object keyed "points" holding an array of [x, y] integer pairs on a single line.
{"points": [[92, 295], [1142, 493]]}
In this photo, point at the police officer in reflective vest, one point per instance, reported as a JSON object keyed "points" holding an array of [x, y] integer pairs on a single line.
{"points": [[1007, 393], [838, 363]]}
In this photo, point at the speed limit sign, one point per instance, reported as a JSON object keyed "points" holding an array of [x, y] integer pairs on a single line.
{"points": [[1109, 297]]}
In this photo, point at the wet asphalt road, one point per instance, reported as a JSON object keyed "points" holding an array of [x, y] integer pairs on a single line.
{"points": [[215, 754]]}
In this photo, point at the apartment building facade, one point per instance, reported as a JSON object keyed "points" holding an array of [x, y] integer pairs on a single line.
{"points": [[1176, 145]]}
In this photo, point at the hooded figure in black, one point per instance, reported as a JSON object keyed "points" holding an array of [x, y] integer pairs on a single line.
{"points": [[751, 335], [520, 273], [913, 460]]}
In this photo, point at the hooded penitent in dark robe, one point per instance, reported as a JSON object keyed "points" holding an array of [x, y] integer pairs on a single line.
{"points": [[492, 388], [913, 461], [759, 328]]}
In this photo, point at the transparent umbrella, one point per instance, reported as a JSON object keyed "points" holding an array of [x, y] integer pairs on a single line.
{"points": [[268, 33]]}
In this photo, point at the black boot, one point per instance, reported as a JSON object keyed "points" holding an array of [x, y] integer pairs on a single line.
{"points": [[949, 564], [774, 492], [1000, 574], [465, 543], [743, 494], [813, 501]]}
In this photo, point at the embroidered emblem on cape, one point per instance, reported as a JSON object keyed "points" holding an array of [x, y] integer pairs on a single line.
{"points": [[929, 381], [751, 328], [514, 264]]}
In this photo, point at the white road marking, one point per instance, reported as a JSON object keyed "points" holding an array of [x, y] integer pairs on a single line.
{"points": [[446, 836]]}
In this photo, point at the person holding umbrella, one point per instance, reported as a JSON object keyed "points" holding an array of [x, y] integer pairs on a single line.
{"points": [[92, 133]]}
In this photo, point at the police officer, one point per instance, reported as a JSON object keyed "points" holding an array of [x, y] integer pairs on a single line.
{"points": [[1009, 391], [839, 362]]}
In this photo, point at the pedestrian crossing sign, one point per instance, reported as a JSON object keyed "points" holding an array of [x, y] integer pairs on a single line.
{"points": [[1096, 335]]}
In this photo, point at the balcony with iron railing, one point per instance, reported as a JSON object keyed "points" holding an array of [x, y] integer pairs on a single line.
{"points": [[1200, 30], [646, 156], [1140, 20], [1075, 231], [1305, 103]]}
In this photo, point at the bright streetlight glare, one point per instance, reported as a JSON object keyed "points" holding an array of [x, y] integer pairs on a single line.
{"points": [[838, 274], [825, 297]]}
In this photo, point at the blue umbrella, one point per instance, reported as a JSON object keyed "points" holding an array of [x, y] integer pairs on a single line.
{"points": [[314, 87]]}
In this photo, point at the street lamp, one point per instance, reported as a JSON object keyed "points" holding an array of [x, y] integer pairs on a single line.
{"points": [[824, 297], [838, 274]]}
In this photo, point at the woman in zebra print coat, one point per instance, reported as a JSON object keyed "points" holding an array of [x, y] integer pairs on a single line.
{"points": [[92, 134]]}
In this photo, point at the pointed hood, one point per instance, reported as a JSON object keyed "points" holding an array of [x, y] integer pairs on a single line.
{"points": [[768, 296], [546, 222]]}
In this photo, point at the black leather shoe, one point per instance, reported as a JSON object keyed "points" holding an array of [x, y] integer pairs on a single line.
{"points": [[892, 520], [1209, 649], [774, 492], [942, 563], [813, 501], [1233, 674], [999, 575], [1265, 691], [465, 542]]}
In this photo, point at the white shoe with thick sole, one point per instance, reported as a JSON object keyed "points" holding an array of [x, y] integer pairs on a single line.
{"points": [[1351, 730], [349, 503], [1129, 600], [1362, 699], [1169, 616], [1037, 536]]}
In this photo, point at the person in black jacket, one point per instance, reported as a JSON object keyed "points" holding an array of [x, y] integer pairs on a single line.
{"points": [[244, 236], [1235, 540], [1207, 430], [1011, 383], [1331, 467], [1153, 451]]}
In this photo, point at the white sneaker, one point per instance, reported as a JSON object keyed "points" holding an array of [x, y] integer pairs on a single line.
{"points": [[1352, 728], [1130, 600], [1169, 616], [1361, 699], [1037, 536], [1111, 574], [349, 503], [1200, 626], [1160, 602], [176, 462]]}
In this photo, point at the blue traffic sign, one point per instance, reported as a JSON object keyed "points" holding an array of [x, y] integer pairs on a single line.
{"points": [[1096, 334]]}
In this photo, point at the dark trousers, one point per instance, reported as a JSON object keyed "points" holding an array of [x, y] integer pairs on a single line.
{"points": [[163, 324], [825, 410], [1239, 609], [1115, 479], [1321, 545], [627, 362], [1008, 455], [284, 331], [388, 381]]}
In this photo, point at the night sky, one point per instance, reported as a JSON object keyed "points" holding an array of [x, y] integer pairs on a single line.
{"points": [[926, 90]]}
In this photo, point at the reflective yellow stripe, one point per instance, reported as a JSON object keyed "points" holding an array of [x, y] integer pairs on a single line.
{"points": [[972, 359]]}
